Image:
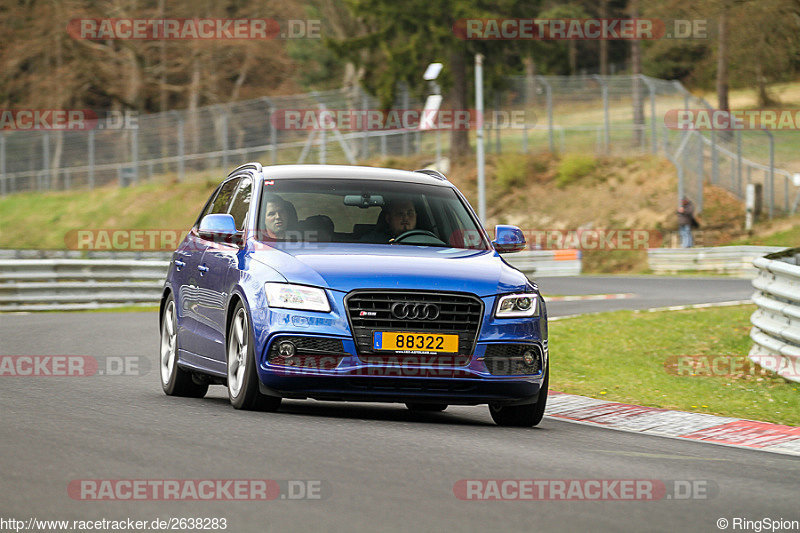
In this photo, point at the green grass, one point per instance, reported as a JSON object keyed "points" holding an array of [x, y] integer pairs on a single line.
{"points": [[621, 356], [789, 238], [573, 167], [512, 171], [44, 220]]}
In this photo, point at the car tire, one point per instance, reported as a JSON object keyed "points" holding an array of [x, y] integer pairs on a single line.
{"points": [[527, 415], [175, 381], [426, 407], [241, 363]]}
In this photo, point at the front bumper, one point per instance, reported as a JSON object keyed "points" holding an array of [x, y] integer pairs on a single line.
{"points": [[345, 376], [348, 378], [455, 391]]}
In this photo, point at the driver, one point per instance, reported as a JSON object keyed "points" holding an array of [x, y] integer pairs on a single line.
{"points": [[398, 216], [401, 217]]}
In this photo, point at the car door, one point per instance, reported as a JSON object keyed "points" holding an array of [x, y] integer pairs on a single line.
{"points": [[186, 282], [221, 261], [212, 294]]}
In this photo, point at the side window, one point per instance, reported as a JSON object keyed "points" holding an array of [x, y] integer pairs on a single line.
{"points": [[223, 199], [241, 203], [207, 208]]}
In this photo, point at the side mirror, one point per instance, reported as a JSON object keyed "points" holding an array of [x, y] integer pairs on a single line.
{"points": [[508, 239], [220, 228]]}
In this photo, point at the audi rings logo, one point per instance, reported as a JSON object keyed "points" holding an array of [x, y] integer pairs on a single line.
{"points": [[415, 311]]}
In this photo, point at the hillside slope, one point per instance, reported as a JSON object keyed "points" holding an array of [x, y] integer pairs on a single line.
{"points": [[535, 192]]}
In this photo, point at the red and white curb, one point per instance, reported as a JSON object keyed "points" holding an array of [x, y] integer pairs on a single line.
{"points": [[712, 429]]}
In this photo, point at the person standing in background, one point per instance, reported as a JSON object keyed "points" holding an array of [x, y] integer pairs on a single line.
{"points": [[686, 222]]}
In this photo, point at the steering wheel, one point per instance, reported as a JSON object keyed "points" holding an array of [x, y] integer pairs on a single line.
{"points": [[415, 232]]}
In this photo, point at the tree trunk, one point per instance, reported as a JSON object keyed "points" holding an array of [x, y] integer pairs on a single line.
{"points": [[722, 60], [194, 102], [636, 70], [162, 67], [572, 47], [530, 80], [722, 68], [603, 42], [459, 138], [761, 82]]}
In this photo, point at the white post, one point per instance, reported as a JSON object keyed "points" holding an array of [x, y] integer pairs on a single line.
{"points": [[750, 206], [479, 144]]}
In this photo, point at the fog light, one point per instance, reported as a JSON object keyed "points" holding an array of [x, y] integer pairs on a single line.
{"points": [[286, 349], [528, 358]]}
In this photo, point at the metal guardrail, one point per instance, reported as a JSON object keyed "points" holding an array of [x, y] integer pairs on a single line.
{"points": [[38, 280], [82, 254], [776, 322], [732, 260], [65, 284]]}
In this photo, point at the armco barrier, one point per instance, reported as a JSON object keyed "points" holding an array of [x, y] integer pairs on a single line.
{"points": [[39, 280], [776, 322], [733, 260], [544, 263], [47, 284], [82, 254]]}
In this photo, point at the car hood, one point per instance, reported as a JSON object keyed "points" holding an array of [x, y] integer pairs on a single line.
{"points": [[345, 267]]}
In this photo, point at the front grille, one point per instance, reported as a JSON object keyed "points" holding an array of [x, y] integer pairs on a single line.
{"points": [[506, 359], [370, 311]]}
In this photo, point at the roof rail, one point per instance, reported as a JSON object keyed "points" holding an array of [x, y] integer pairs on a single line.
{"points": [[255, 165], [431, 172]]}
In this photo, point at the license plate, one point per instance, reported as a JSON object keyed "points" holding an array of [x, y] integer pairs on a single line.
{"points": [[401, 341]]}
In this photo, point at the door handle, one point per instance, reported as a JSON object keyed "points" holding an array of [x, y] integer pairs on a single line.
{"points": [[202, 268]]}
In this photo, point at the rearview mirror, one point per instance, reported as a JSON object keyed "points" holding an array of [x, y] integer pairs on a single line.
{"points": [[508, 239], [220, 228], [363, 200]]}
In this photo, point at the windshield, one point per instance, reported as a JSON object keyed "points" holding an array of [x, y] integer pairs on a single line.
{"points": [[366, 211]]}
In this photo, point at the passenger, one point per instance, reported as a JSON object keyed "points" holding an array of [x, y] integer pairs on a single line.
{"points": [[280, 217]]}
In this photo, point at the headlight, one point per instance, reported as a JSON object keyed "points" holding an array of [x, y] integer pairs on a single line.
{"points": [[288, 296], [517, 305]]}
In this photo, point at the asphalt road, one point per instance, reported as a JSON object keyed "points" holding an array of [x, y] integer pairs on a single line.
{"points": [[647, 292], [382, 467]]}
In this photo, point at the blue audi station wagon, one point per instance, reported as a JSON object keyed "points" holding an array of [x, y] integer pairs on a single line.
{"points": [[347, 283]]}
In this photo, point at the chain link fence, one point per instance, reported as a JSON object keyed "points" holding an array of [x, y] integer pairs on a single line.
{"points": [[613, 115], [598, 114]]}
